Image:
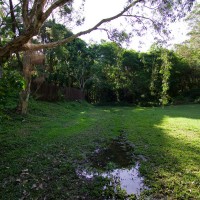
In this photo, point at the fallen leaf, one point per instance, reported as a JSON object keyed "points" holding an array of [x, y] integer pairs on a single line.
{"points": [[33, 186], [18, 180], [41, 186]]}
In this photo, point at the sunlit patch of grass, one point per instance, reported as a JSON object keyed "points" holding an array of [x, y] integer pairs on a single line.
{"points": [[106, 111], [184, 129], [170, 138]]}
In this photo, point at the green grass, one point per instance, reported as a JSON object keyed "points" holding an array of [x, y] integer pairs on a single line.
{"points": [[40, 152]]}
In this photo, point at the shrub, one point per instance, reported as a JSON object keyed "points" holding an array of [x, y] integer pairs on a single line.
{"points": [[11, 83]]}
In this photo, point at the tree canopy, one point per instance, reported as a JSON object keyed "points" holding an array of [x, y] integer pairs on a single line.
{"points": [[21, 20]]}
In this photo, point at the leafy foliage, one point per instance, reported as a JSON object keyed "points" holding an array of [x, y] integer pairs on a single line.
{"points": [[11, 84], [109, 73]]}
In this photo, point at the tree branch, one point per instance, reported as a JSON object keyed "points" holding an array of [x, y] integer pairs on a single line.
{"points": [[20, 43], [105, 30], [14, 24], [34, 8], [138, 17], [25, 12], [53, 7], [69, 39]]}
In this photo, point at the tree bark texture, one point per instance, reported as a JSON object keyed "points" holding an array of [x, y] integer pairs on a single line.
{"points": [[27, 72]]}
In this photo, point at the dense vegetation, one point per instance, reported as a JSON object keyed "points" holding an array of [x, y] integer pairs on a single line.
{"points": [[109, 73], [106, 72]]}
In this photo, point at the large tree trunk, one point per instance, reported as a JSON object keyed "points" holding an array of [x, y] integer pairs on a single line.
{"points": [[25, 93]]}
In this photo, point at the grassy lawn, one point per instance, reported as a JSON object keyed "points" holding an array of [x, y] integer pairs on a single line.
{"points": [[41, 152]]}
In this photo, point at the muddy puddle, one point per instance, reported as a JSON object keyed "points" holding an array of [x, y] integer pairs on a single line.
{"points": [[117, 162]]}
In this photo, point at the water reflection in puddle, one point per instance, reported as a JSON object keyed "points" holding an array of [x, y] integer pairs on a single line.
{"points": [[128, 179]]}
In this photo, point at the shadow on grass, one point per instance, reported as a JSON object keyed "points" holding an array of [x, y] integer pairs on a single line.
{"points": [[54, 139]]}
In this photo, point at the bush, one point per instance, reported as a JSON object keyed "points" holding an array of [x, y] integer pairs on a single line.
{"points": [[11, 83], [180, 100], [194, 93]]}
